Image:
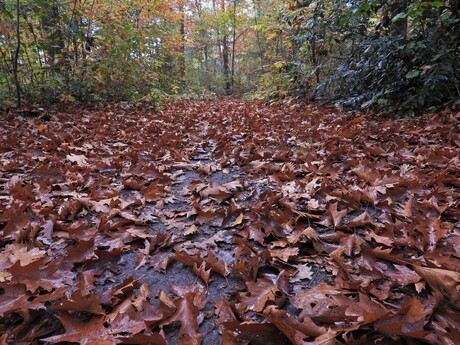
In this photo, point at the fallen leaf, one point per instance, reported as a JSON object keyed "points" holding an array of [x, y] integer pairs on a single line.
{"points": [[303, 272], [295, 330], [201, 271], [238, 220], [81, 160], [78, 302], [284, 254], [444, 281], [89, 333], [187, 314], [24, 256], [258, 294], [192, 230]]}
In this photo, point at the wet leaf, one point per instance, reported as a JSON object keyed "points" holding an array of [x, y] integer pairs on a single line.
{"points": [[78, 302], [444, 281], [259, 294], [89, 333]]}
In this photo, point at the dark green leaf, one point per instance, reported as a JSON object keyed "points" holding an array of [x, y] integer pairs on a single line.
{"points": [[412, 74]]}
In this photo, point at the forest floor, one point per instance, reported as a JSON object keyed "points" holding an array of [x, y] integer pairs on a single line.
{"points": [[229, 222]]}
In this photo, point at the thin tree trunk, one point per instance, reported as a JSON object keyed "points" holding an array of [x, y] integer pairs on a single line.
{"points": [[218, 43], [206, 66], [7, 72], [225, 57], [75, 22], [233, 47], [182, 46], [226, 64], [258, 40], [16, 55]]}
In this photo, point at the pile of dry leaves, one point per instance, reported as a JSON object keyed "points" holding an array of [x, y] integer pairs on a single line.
{"points": [[228, 222]]}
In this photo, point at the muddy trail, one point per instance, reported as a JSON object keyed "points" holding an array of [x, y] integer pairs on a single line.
{"points": [[229, 222]]}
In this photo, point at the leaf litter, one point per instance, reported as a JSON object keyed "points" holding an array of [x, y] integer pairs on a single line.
{"points": [[229, 222]]}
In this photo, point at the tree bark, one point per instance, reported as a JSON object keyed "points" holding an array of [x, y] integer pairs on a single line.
{"points": [[225, 55], [182, 46], [16, 55], [258, 40], [232, 82]]}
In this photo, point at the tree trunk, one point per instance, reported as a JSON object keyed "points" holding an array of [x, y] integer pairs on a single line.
{"points": [[258, 40], [206, 67], [76, 24], [225, 57], [16, 56], [232, 83], [182, 46]]}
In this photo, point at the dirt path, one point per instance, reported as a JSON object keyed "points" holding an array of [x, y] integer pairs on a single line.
{"points": [[228, 222]]}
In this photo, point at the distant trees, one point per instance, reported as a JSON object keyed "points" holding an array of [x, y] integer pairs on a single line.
{"points": [[394, 54], [80, 50], [227, 43]]}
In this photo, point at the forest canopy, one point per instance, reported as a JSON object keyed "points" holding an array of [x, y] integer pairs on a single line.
{"points": [[394, 55]]}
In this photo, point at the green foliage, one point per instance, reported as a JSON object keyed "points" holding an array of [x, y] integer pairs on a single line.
{"points": [[284, 80], [406, 72], [74, 50], [394, 55]]}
